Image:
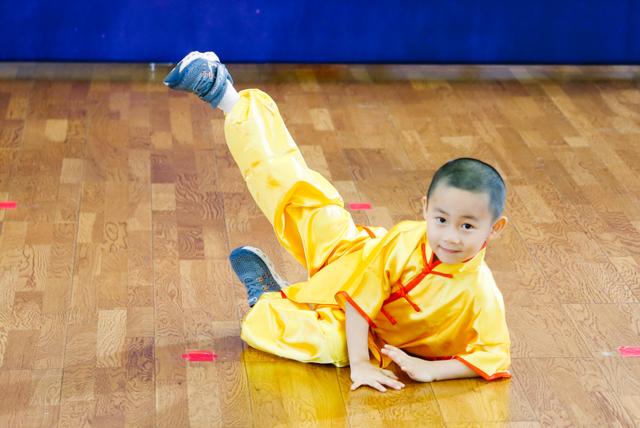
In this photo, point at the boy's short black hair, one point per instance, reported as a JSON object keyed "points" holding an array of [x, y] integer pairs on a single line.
{"points": [[475, 176]]}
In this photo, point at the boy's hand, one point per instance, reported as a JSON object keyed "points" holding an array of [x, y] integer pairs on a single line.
{"points": [[416, 368], [364, 373]]}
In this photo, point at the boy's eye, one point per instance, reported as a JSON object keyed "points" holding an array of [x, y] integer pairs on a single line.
{"points": [[467, 226], [440, 220]]}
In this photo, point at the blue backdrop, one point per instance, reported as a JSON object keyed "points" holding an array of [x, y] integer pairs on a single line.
{"points": [[428, 31]]}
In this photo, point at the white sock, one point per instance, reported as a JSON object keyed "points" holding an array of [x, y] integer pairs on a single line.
{"points": [[229, 99]]}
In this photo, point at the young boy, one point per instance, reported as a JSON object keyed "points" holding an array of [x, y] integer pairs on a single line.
{"points": [[419, 294]]}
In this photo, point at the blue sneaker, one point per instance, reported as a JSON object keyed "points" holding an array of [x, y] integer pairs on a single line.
{"points": [[200, 73], [256, 272]]}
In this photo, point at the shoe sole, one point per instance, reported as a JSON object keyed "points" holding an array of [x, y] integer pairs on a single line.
{"points": [[210, 56], [195, 55]]}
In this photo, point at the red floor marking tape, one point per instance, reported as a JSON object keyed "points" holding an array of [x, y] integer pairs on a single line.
{"points": [[7, 204], [629, 351], [199, 356], [360, 206]]}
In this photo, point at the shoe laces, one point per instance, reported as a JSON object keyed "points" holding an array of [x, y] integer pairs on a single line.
{"points": [[260, 282], [205, 81]]}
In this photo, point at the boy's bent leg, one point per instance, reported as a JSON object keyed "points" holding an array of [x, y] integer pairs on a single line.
{"points": [[305, 210], [290, 330]]}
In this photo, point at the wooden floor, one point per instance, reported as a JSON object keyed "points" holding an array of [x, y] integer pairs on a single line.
{"points": [[114, 262]]}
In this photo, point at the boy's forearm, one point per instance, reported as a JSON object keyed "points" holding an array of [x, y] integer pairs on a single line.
{"points": [[357, 331], [447, 369]]}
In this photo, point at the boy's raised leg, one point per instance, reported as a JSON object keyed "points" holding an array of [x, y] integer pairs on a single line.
{"points": [[306, 211]]}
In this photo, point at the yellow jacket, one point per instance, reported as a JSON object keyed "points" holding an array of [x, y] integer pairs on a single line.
{"points": [[412, 301]]}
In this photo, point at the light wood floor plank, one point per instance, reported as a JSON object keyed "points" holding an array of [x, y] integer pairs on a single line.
{"points": [[115, 262]]}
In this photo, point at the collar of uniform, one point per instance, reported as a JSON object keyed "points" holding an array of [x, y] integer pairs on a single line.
{"points": [[469, 265]]}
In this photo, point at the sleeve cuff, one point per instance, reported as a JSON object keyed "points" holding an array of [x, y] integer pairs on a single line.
{"points": [[341, 296], [485, 376]]}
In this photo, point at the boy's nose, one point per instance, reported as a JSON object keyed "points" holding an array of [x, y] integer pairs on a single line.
{"points": [[452, 238]]}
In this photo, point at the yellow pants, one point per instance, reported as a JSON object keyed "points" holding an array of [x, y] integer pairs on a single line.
{"points": [[310, 222]]}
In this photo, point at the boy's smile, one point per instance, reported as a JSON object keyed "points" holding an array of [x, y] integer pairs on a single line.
{"points": [[459, 222]]}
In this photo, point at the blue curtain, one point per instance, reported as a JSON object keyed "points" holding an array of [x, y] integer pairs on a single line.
{"points": [[446, 31]]}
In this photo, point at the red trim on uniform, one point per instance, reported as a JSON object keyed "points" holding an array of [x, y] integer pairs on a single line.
{"points": [[284, 296], [391, 319], [485, 376], [408, 299], [326, 260], [442, 274], [439, 358], [426, 270], [428, 267], [446, 275], [424, 255], [400, 294], [369, 232], [348, 298]]}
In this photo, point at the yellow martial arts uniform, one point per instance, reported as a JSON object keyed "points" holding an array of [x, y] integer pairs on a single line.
{"points": [[430, 309]]}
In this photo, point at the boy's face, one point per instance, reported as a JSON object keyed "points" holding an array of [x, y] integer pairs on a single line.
{"points": [[459, 223]]}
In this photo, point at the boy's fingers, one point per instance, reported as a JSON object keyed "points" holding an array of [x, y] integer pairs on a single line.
{"points": [[400, 356], [395, 385], [407, 371], [390, 374], [378, 386], [355, 386], [395, 356], [391, 382]]}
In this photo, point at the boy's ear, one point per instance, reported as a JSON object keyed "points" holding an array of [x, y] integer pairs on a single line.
{"points": [[498, 227]]}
